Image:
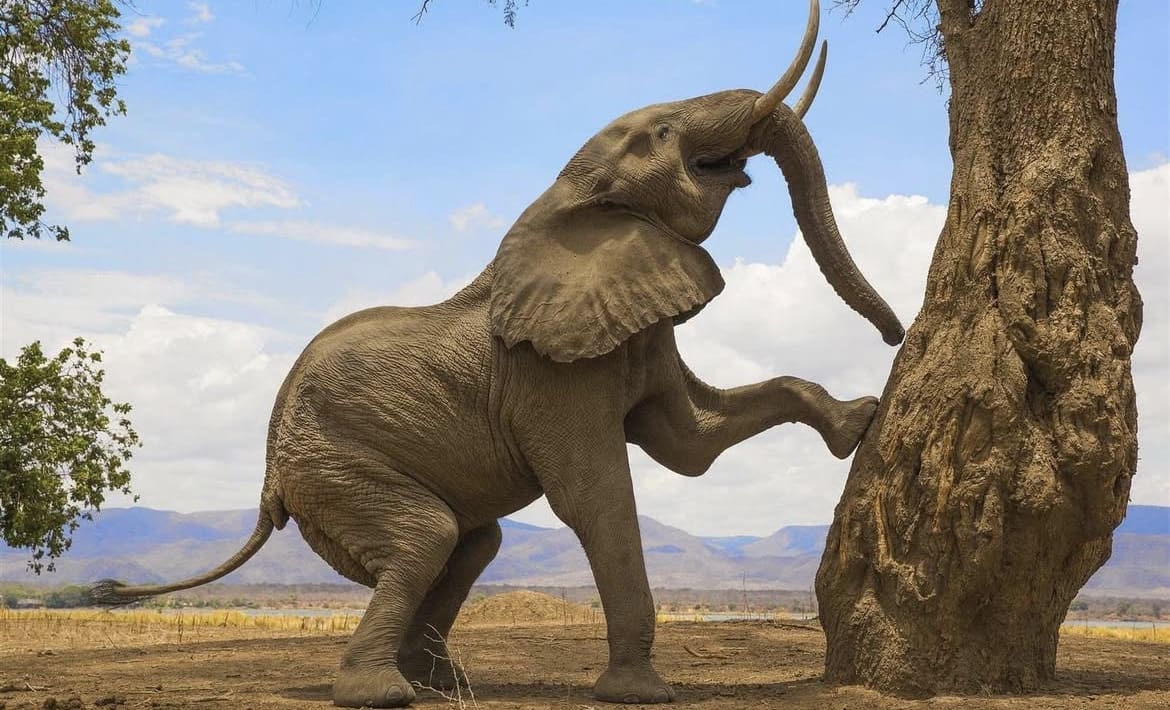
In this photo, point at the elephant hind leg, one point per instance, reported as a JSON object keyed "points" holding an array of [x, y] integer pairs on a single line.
{"points": [[402, 536], [424, 657], [334, 554]]}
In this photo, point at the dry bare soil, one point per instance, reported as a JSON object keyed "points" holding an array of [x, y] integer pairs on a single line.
{"points": [[515, 665]]}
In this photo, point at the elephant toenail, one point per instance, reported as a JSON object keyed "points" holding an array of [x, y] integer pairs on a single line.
{"points": [[631, 698], [662, 696]]}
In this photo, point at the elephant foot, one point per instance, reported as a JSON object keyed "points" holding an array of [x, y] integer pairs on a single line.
{"points": [[849, 424], [427, 671], [636, 684], [371, 688]]}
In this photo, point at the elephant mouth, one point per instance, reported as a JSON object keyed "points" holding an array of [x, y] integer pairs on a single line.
{"points": [[722, 167]]}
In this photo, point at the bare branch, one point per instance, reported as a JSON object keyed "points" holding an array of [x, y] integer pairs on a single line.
{"points": [[919, 19], [891, 14], [422, 10]]}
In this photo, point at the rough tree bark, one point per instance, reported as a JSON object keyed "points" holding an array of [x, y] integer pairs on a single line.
{"points": [[986, 491]]}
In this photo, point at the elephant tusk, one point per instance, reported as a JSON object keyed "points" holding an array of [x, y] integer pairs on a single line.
{"points": [[814, 83], [767, 103]]}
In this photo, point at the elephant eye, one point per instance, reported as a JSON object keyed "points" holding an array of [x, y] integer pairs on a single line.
{"points": [[663, 132]]}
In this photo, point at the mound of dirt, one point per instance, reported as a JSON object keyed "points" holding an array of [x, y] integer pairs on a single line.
{"points": [[525, 607]]}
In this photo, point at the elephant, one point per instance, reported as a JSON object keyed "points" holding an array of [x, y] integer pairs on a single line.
{"points": [[401, 435]]}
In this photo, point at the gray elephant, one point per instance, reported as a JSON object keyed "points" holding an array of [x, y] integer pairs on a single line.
{"points": [[402, 435]]}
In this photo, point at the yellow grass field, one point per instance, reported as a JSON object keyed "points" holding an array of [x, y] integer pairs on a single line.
{"points": [[1155, 634], [99, 628], [87, 626]]}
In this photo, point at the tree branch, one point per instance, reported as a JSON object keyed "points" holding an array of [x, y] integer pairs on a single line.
{"points": [[509, 11], [422, 10], [893, 13]]}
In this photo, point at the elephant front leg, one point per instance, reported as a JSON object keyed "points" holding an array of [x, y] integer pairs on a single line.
{"points": [[841, 423], [687, 426], [597, 502]]}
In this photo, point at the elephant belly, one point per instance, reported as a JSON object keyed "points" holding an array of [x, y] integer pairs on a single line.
{"points": [[415, 402]]}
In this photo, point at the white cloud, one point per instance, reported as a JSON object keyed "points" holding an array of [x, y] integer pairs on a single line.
{"points": [[54, 306], [143, 26], [425, 290], [201, 12], [194, 192], [179, 51], [186, 191], [201, 388], [474, 217], [323, 234], [1150, 195]]}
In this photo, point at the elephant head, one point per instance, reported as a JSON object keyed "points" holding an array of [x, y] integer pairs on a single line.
{"points": [[613, 245]]}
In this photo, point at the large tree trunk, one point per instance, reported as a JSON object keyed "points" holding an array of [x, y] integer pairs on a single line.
{"points": [[986, 491]]}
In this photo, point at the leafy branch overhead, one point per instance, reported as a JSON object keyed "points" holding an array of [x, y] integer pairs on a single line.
{"points": [[510, 8], [68, 45], [63, 444]]}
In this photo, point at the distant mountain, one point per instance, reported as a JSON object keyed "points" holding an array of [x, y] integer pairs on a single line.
{"points": [[1139, 562], [731, 545], [141, 545], [791, 541], [1146, 520]]}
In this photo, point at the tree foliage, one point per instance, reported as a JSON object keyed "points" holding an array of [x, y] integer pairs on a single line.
{"points": [[63, 445], [68, 45]]}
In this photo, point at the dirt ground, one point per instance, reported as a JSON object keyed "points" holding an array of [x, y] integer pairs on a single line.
{"points": [[714, 666]]}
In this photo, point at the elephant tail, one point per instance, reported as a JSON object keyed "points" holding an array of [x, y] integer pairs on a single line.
{"points": [[109, 592]]}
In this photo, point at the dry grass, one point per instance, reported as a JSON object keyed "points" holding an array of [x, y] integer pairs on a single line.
{"points": [[50, 630], [46, 630], [1158, 632], [702, 616], [141, 619]]}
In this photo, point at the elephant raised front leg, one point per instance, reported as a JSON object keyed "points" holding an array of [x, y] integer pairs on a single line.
{"points": [[424, 657], [685, 428]]}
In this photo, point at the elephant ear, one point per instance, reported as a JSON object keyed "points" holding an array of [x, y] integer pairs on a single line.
{"points": [[578, 285]]}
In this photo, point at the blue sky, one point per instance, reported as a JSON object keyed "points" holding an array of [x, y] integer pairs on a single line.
{"points": [[283, 164]]}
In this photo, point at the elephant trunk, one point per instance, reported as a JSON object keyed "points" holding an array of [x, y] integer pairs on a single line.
{"points": [[784, 137]]}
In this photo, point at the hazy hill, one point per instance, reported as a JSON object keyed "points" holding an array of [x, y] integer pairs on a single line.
{"points": [[144, 545], [1146, 520], [791, 541]]}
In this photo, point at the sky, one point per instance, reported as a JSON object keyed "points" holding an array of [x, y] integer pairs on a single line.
{"points": [[283, 164]]}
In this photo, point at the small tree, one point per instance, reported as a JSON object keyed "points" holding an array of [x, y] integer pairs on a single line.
{"points": [[63, 445], [70, 596]]}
